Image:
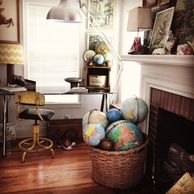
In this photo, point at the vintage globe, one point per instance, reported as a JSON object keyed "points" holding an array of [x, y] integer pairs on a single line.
{"points": [[98, 59], [93, 133], [113, 115], [125, 135], [134, 109], [94, 117]]}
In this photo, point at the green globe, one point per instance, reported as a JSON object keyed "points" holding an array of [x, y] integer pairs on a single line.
{"points": [[134, 109], [124, 134]]}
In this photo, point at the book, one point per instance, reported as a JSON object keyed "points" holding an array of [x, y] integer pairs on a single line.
{"points": [[78, 90], [11, 89]]}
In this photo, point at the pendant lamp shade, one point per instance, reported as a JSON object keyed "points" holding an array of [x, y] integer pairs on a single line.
{"points": [[64, 13]]}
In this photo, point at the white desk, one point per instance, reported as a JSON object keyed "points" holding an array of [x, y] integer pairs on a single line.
{"points": [[6, 94], [104, 102]]}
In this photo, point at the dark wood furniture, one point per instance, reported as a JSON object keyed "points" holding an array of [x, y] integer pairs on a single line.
{"points": [[97, 78]]}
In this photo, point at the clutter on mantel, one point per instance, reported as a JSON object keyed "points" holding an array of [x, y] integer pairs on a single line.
{"points": [[172, 31]]}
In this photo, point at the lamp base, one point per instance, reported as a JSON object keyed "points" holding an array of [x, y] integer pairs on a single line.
{"points": [[10, 73], [136, 46]]}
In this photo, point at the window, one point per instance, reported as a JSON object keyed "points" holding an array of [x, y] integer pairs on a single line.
{"points": [[52, 51]]}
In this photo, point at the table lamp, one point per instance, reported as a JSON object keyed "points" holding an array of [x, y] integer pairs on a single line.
{"points": [[11, 54], [139, 19]]}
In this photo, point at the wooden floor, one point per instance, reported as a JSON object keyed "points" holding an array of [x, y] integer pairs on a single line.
{"points": [[68, 173]]}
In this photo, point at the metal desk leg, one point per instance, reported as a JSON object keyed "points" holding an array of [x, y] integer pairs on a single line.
{"points": [[104, 103], [5, 101], [107, 102]]}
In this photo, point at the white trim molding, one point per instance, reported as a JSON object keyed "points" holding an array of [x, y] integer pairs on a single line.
{"points": [[177, 60]]}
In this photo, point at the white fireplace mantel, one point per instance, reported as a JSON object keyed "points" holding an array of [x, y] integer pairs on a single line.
{"points": [[171, 73], [183, 60]]}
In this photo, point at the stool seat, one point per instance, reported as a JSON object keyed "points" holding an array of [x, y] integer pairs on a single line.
{"points": [[32, 114]]}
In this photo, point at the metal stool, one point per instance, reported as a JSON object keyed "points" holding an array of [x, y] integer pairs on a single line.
{"points": [[34, 100]]}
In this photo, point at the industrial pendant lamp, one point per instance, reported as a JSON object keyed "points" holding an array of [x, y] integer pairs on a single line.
{"points": [[64, 13]]}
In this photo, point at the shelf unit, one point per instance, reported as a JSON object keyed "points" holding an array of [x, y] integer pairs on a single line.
{"points": [[97, 78]]}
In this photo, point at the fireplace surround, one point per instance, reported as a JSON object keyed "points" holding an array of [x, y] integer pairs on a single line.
{"points": [[167, 85], [171, 121]]}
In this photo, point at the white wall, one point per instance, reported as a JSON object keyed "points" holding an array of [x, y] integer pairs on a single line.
{"points": [[130, 76]]}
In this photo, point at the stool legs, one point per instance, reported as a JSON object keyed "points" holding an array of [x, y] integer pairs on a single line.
{"points": [[36, 144]]}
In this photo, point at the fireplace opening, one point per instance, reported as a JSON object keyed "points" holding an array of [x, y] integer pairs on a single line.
{"points": [[172, 142]]}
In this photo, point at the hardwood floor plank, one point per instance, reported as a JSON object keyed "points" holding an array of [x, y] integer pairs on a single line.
{"points": [[68, 173]]}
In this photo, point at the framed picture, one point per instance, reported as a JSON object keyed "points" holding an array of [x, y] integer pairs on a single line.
{"points": [[161, 28], [149, 3], [102, 11], [98, 81], [182, 25], [95, 38], [9, 21]]}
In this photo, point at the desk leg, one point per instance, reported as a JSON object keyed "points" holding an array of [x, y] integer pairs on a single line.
{"points": [[104, 103], [107, 102], [5, 100]]}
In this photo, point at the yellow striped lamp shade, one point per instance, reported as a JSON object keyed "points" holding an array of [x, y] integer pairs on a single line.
{"points": [[11, 54]]}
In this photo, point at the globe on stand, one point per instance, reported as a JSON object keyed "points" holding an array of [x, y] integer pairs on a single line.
{"points": [[134, 109], [98, 59], [124, 134]]}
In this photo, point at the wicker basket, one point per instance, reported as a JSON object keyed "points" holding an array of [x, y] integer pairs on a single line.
{"points": [[118, 169]]}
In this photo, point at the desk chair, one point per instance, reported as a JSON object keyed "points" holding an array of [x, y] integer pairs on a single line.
{"points": [[33, 100]]}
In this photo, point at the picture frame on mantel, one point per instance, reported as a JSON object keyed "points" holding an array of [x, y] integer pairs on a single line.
{"points": [[9, 21], [161, 28]]}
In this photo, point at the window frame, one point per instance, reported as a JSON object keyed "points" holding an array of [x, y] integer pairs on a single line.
{"points": [[25, 44]]}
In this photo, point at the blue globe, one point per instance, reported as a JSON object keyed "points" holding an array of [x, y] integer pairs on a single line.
{"points": [[98, 59], [113, 115]]}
